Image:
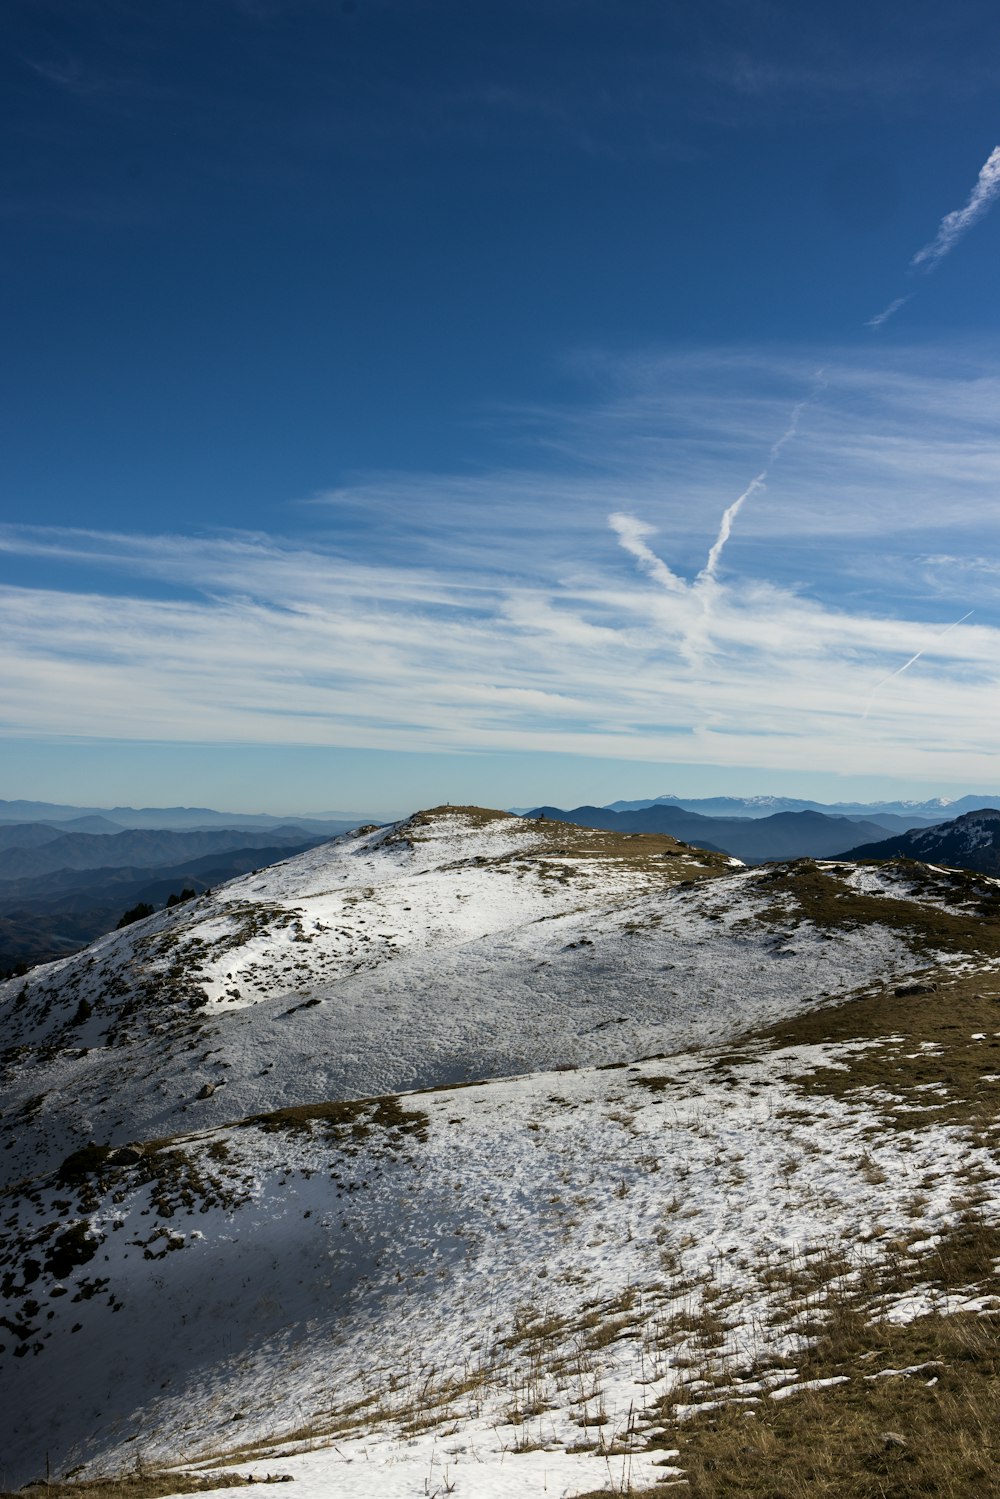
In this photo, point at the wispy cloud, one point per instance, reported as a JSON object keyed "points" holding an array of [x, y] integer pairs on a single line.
{"points": [[887, 312], [961, 220], [950, 230], [83, 80], [632, 533], [71, 76], [500, 613], [379, 659]]}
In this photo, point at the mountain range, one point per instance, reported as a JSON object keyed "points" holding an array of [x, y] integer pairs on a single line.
{"points": [[890, 814], [914, 812], [497, 1156], [782, 835], [59, 889], [68, 876], [116, 819]]}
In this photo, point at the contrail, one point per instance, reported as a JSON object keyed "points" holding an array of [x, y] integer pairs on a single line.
{"points": [[951, 229], [887, 312], [955, 224], [907, 664], [710, 569], [708, 572], [630, 532]]}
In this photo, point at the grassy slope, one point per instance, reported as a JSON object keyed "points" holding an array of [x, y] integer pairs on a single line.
{"points": [[923, 1060]]}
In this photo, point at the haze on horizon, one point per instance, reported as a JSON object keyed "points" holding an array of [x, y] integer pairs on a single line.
{"points": [[416, 403]]}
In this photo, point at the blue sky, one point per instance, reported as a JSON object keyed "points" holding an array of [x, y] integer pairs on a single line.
{"points": [[377, 377]]}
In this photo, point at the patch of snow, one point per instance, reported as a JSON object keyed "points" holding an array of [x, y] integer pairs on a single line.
{"points": [[809, 1384]]}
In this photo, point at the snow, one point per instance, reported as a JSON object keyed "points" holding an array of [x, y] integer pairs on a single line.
{"points": [[474, 1468], [910, 1369], [923, 1303], [407, 958], [410, 1274], [809, 1384], [496, 1284]]}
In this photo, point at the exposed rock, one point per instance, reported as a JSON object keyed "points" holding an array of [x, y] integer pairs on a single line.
{"points": [[127, 1155], [903, 991]]}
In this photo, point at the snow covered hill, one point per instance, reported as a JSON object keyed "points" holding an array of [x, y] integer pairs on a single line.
{"points": [[229, 1235], [460, 944]]}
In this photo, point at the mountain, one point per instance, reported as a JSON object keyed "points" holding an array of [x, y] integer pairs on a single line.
{"points": [[783, 835], [908, 814], [176, 818], [971, 841], [27, 835], [693, 1141], [134, 847], [395, 923], [49, 916], [90, 823], [60, 888], [34, 834], [63, 884], [895, 822], [672, 821], [722, 806]]}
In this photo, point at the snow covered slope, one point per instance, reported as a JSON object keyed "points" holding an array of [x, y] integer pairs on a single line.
{"points": [[460, 944], [497, 1286], [225, 1233]]}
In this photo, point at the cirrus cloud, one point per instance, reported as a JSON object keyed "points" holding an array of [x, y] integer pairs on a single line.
{"points": [[525, 625]]}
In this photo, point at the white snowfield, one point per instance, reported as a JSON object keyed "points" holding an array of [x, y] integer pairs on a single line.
{"points": [[473, 1288], [458, 945], [491, 1288]]}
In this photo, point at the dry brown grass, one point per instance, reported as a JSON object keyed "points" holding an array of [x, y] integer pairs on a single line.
{"points": [[923, 1066], [139, 1485], [655, 853], [880, 1433], [345, 1118], [841, 1442]]}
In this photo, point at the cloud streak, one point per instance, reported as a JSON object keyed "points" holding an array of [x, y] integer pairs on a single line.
{"points": [[957, 223], [711, 567], [915, 657], [631, 533], [887, 312], [702, 591], [464, 637], [698, 630], [951, 229], [709, 571]]}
